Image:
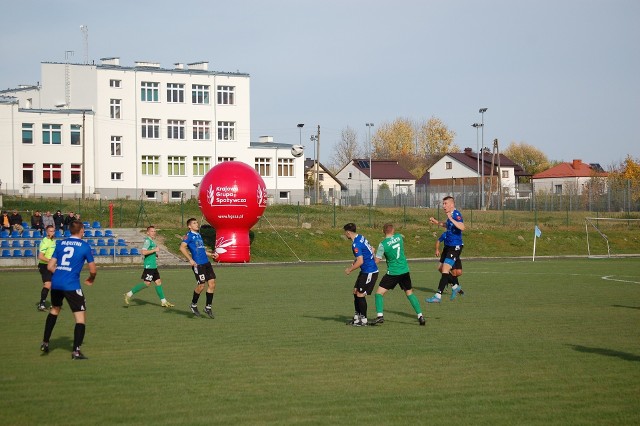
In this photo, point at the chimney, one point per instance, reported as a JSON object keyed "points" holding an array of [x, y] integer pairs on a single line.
{"points": [[468, 151], [576, 164], [202, 66], [178, 66], [263, 139], [110, 61]]}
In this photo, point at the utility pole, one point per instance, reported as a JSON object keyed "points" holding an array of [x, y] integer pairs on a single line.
{"points": [[83, 154], [318, 166]]}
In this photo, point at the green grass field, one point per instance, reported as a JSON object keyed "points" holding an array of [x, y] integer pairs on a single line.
{"points": [[545, 342]]}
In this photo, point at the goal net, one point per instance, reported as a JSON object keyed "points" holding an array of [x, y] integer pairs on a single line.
{"points": [[607, 236]]}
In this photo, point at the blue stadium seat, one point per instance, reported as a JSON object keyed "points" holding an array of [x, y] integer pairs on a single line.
{"points": [[36, 234], [96, 225], [4, 234], [103, 252], [94, 251], [28, 253], [5, 243], [124, 251], [16, 243], [122, 242], [88, 233], [17, 253], [91, 242], [97, 233], [111, 242], [26, 226], [100, 242], [108, 233], [6, 253], [15, 234], [28, 243], [67, 233], [59, 233], [112, 251], [86, 225], [135, 252]]}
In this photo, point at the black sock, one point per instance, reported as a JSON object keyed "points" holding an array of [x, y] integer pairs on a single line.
{"points": [[356, 307], [78, 336], [48, 327], [209, 299], [194, 299], [454, 280], [444, 280], [43, 295], [362, 306]]}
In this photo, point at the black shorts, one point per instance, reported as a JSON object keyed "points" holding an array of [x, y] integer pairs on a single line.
{"points": [[204, 273], [451, 256], [44, 272], [75, 299], [150, 275], [390, 282], [366, 282]]}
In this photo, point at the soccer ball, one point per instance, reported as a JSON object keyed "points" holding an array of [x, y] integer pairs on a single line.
{"points": [[297, 150]]}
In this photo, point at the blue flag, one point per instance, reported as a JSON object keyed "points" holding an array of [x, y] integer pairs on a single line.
{"points": [[538, 232]]}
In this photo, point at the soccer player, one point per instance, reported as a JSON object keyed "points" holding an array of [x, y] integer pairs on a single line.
{"points": [[392, 249], [453, 244], [47, 246], [66, 264], [457, 268], [366, 280], [150, 273], [192, 247]]}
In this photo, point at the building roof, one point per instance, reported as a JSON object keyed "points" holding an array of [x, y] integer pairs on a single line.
{"points": [[572, 170], [470, 159], [382, 169], [308, 165], [153, 67]]}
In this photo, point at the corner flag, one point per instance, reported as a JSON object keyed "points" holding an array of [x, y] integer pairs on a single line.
{"points": [[538, 232]]}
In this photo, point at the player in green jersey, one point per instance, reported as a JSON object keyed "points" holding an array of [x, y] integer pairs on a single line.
{"points": [[45, 250], [150, 274], [392, 249]]}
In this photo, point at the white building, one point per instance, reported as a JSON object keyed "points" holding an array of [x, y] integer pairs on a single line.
{"points": [[149, 132], [364, 179]]}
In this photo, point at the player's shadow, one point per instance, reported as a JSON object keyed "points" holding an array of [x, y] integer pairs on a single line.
{"points": [[429, 290], [64, 343], [140, 302], [427, 315], [337, 318], [606, 352], [624, 306]]}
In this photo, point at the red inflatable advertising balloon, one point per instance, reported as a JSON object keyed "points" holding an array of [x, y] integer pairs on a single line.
{"points": [[232, 197]]}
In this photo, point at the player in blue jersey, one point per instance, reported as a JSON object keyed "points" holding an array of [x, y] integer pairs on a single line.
{"points": [[66, 264], [366, 281], [457, 268], [192, 247], [453, 244]]}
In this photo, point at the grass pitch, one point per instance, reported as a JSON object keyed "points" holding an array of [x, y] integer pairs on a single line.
{"points": [[545, 342]]}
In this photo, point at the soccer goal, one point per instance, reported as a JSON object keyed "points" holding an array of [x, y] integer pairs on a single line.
{"points": [[596, 246]]}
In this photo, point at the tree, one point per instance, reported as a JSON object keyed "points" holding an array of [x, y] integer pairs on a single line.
{"points": [[530, 158], [345, 150], [626, 177], [396, 141], [434, 140]]}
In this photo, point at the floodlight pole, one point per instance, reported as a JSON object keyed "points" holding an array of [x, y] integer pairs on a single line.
{"points": [[482, 111], [477, 126], [369, 126]]}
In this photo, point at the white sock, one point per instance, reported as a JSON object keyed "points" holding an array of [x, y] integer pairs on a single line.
{"points": [[130, 293], [438, 295], [455, 286]]}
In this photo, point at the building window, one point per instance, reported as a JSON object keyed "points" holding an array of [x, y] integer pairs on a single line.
{"points": [[558, 189], [175, 93], [175, 129], [176, 165], [285, 167], [176, 195], [27, 132], [150, 165], [349, 175], [226, 131], [320, 175], [149, 91], [76, 173], [27, 172], [150, 128], [52, 134], [505, 174], [116, 146], [284, 195], [75, 134], [114, 108], [226, 95], [263, 166], [51, 173], [115, 83], [151, 195], [199, 94], [116, 175], [201, 130], [223, 159], [201, 165], [448, 165]]}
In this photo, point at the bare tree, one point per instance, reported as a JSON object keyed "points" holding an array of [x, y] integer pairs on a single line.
{"points": [[345, 150]]}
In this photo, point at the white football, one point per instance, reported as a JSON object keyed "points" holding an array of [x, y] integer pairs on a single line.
{"points": [[297, 150]]}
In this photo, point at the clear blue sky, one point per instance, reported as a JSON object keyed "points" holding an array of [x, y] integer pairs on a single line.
{"points": [[562, 75]]}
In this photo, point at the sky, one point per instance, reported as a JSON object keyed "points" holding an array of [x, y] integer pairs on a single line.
{"points": [[561, 75]]}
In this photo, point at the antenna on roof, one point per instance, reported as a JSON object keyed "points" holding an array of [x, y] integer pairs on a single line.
{"points": [[85, 42]]}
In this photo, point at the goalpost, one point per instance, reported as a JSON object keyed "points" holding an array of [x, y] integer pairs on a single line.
{"points": [[594, 222]]}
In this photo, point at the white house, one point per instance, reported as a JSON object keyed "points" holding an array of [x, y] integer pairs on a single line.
{"points": [[149, 132], [568, 178], [363, 178], [329, 188]]}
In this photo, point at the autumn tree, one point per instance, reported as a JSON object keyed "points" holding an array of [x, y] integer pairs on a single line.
{"points": [[626, 177], [435, 139], [345, 150], [530, 158]]}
